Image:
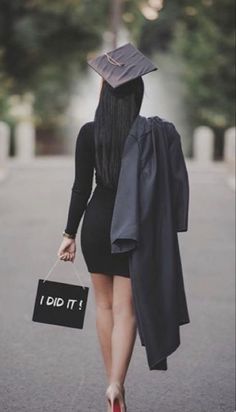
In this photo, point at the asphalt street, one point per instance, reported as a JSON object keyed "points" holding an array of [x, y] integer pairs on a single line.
{"points": [[49, 368]]}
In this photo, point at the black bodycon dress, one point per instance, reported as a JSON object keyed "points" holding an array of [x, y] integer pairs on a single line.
{"points": [[95, 230]]}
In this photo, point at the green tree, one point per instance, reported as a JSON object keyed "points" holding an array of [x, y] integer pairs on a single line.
{"points": [[201, 33], [206, 41], [43, 44]]}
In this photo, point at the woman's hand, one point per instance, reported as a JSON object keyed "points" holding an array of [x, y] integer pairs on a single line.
{"points": [[67, 250]]}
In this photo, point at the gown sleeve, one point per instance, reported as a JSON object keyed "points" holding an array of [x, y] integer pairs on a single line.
{"points": [[83, 181], [179, 180]]}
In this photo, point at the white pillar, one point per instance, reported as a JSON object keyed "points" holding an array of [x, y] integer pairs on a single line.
{"points": [[4, 148], [229, 155], [25, 140], [203, 144]]}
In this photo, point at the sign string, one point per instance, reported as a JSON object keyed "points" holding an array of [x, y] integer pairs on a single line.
{"points": [[76, 272]]}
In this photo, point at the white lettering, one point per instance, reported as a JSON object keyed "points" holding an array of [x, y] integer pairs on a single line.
{"points": [[60, 302], [49, 301], [71, 303]]}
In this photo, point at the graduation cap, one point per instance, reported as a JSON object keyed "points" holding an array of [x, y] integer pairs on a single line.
{"points": [[121, 65]]}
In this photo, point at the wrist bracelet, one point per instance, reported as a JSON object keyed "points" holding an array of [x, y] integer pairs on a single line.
{"points": [[68, 235]]}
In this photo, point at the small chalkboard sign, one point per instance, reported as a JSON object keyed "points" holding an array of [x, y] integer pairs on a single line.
{"points": [[60, 304]]}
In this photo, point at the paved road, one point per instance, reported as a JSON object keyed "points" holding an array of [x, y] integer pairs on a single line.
{"points": [[54, 369]]}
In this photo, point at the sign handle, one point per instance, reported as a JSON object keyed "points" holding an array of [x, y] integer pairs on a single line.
{"points": [[76, 272]]}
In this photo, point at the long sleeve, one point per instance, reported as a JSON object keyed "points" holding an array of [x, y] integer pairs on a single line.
{"points": [[179, 181], [83, 181]]}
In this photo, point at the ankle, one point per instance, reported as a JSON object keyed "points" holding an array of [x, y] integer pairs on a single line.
{"points": [[117, 383]]}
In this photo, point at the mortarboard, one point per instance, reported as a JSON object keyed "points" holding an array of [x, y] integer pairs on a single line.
{"points": [[122, 64]]}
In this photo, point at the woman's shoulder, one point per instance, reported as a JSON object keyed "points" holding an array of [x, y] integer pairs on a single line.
{"points": [[85, 140], [86, 128], [86, 132]]}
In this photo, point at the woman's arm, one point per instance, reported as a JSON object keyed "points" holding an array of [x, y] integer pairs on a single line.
{"points": [[83, 181]]}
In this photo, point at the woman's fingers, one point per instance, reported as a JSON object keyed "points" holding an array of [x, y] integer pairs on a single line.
{"points": [[67, 246], [68, 256], [72, 257], [66, 251], [64, 256]]}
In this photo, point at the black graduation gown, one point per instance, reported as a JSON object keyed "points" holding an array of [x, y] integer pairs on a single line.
{"points": [[151, 206]]}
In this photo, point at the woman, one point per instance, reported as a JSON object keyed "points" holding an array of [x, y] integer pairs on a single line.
{"points": [[99, 146]]}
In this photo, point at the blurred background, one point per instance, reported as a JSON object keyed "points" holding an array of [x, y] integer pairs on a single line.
{"points": [[47, 91], [44, 46]]}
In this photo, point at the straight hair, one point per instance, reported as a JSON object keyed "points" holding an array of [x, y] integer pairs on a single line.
{"points": [[114, 116]]}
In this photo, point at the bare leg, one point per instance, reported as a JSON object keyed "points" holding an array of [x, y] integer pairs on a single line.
{"points": [[124, 330], [103, 291], [116, 323]]}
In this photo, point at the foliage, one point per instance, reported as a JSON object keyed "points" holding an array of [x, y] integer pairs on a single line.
{"points": [[43, 43], [202, 32], [208, 50]]}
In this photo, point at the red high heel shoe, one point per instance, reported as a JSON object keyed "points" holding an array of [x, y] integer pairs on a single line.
{"points": [[115, 394]]}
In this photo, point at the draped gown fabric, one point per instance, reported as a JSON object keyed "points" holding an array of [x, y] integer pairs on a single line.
{"points": [[95, 229], [154, 183]]}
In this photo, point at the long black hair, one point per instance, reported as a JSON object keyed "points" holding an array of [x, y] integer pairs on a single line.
{"points": [[115, 113]]}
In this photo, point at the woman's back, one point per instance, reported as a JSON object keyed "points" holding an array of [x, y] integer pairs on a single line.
{"points": [[95, 230], [99, 148]]}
